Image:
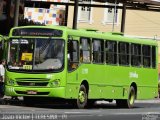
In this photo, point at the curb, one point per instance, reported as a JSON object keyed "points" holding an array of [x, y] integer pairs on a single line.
{"points": [[148, 101]]}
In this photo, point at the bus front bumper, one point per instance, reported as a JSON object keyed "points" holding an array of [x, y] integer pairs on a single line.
{"points": [[34, 91]]}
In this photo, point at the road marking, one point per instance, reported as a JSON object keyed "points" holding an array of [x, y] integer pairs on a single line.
{"points": [[147, 101], [134, 113], [76, 112]]}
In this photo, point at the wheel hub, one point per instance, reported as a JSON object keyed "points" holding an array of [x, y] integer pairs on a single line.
{"points": [[81, 96]]}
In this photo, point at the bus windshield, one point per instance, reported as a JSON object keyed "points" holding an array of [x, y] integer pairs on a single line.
{"points": [[36, 54]]}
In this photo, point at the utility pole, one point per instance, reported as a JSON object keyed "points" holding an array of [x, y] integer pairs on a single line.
{"points": [[115, 15], [123, 18], [75, 17], [66, 15], [8, 20], [16, 13]]}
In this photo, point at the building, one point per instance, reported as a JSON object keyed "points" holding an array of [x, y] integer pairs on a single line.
{"points": [[137, 23]]}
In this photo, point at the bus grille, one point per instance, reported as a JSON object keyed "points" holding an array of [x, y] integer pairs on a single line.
{"points": [[32, 83]]}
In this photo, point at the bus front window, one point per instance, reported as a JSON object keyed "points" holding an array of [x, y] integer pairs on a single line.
{"points": [[49, 54], [36, 54], [20, 53]]}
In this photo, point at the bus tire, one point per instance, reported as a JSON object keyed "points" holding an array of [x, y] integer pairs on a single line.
{"points": [[82, 97], [127, 103]]}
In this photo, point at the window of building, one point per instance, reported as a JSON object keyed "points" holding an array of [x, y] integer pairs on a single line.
{"points": [[111, 52], [110, 14], [85, 51], [84, 12], [136, 55], [146, 50], [123, 53], [98, 51]]}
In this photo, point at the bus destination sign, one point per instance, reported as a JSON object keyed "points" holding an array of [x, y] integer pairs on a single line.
{"points": [[45, 32]]}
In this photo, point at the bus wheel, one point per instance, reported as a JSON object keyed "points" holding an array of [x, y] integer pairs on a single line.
{"points": [[82, 97], [131, 97], [128, 103]]}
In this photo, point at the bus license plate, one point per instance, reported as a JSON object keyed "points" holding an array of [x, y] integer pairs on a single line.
{"points": [[31, 92]]}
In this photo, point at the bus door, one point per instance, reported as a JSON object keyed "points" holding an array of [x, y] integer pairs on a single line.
{"points": [[73, 63]]}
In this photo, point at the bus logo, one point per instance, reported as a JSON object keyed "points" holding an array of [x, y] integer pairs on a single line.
{"points": [[133, 75], [85, 71]]}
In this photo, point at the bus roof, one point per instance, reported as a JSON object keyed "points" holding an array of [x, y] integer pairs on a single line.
{"points": [[111, 36], [95, 34], [36, 26]]}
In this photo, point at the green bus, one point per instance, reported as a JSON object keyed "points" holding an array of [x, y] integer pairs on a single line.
{"points": [[81, 66]]}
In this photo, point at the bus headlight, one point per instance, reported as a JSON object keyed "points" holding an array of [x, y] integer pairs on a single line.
{"points": [[56, 83], [10, 82]]}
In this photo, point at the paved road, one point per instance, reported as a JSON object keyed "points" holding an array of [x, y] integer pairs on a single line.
{"points": [[143, 110]]}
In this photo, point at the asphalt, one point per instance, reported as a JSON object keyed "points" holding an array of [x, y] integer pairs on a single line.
{"points": [[156, 100]]}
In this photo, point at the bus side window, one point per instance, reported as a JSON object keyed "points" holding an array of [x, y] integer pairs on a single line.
{"points": [[85, 50], [73, 54], [123, 53], [146, 50], [98, 51], [153, 57], [111, 52], [136, 55]]}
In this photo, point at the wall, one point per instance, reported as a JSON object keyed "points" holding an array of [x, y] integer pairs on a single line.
{"points": [[138, 23]]}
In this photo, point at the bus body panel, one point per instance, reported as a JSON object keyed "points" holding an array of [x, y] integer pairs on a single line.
{"points": [[42, 84], [113, 82]]}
